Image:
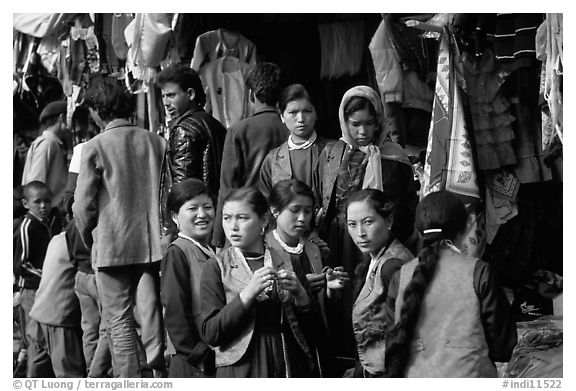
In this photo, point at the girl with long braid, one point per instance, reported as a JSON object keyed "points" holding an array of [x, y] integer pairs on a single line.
{"points": [[452, 318]]}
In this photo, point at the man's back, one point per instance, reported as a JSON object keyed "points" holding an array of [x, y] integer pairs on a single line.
{"points": [[46, 162], [119, 191]]}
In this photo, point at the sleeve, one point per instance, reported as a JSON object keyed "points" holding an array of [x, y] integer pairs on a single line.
{"points": [[38, 164], [198, 55], [20, 247], [85, 207], [388, 271], [495, 312], [391, 297], [230, 167], [176, 296], [221, 322], [265, 183], [187, 155]]}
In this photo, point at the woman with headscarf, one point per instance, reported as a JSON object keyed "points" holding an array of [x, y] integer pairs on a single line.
{"points": [[363, 158]]}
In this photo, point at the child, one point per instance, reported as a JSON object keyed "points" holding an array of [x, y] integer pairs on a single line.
{"points": [[57, 311], [256, 312], [370, 217], [30, 244], [192, 210], [452, 319], [292, 206]]}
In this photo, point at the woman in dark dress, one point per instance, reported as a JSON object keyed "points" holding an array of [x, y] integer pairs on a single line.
{"points": [[364, 157], [257, 314], [192, 211]]}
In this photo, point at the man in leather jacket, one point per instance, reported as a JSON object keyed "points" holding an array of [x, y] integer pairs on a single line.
{"points": [[196, 138]]}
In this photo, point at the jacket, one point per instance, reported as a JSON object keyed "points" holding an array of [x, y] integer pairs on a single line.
{"points": [[449, 337], [276, 166], [119, 197], [247, 144], [196, 143], [56, 303], [30, 242], [368, 314], [230, 328]]}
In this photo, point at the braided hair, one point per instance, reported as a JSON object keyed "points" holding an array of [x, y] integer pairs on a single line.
{"points": [[440, 216]]}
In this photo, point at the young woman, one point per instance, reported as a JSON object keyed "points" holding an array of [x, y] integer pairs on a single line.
{"points": [[298, 156], [292, 207], [256, 311], [452, 319], [192, 210], [370, 215], [359, 160]]}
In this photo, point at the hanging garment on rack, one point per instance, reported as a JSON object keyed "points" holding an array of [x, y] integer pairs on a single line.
{"points": [[549, 50], [119, 24], [514, 40], [341, 48], [387, 67], [224, 81], [221, 42], [449, 160], [490, 114], [149, 37]]}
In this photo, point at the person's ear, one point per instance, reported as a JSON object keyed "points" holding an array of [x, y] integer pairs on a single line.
{"points": [[175, 219], [25, 203], [191, 94], [265, 221], [275, 212]]}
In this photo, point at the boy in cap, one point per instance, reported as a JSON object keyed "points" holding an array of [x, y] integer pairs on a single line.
{"points": [[46, 158]]}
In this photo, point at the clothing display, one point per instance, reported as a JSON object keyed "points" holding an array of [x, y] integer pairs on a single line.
{"points": [[222, 42], [224, 82]]}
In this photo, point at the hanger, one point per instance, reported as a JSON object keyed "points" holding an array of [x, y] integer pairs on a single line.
{"points": [[423, 26]]}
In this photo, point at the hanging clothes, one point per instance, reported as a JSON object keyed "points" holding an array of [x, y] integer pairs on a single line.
{"points": [[514, 40], [149, 37], [549, 50], [224, 81], [449, 161], [222, 42], [490, 114], [341, 41], [387, 67]]}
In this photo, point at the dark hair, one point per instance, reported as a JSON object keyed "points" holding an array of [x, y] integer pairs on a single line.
{"points": [[186, 78], [284, 192], [252, 197], [109, 98], [264, 80], [34, 185], [443, 211], [291, 93], [185, 191], [357, 103], [382, 203]]}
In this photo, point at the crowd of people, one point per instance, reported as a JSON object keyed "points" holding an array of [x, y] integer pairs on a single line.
{"points": [[262, 250]]}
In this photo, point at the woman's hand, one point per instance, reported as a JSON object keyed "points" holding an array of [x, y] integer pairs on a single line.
{"points": [[317, 281], [322, 245], [288, 281], [336, 278], [261, 279]]}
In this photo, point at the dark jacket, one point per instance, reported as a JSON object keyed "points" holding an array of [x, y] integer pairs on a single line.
{"points": [[196, 144], [247, 143]]}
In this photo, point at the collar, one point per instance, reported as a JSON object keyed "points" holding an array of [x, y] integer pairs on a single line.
{"points": [[49, 135], [32, 216], [265, 110], [186, 114], [206, 250], [117, 123], [305, 145]]}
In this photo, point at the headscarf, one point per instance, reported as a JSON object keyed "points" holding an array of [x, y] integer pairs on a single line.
{"points": [[373, 175]]}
